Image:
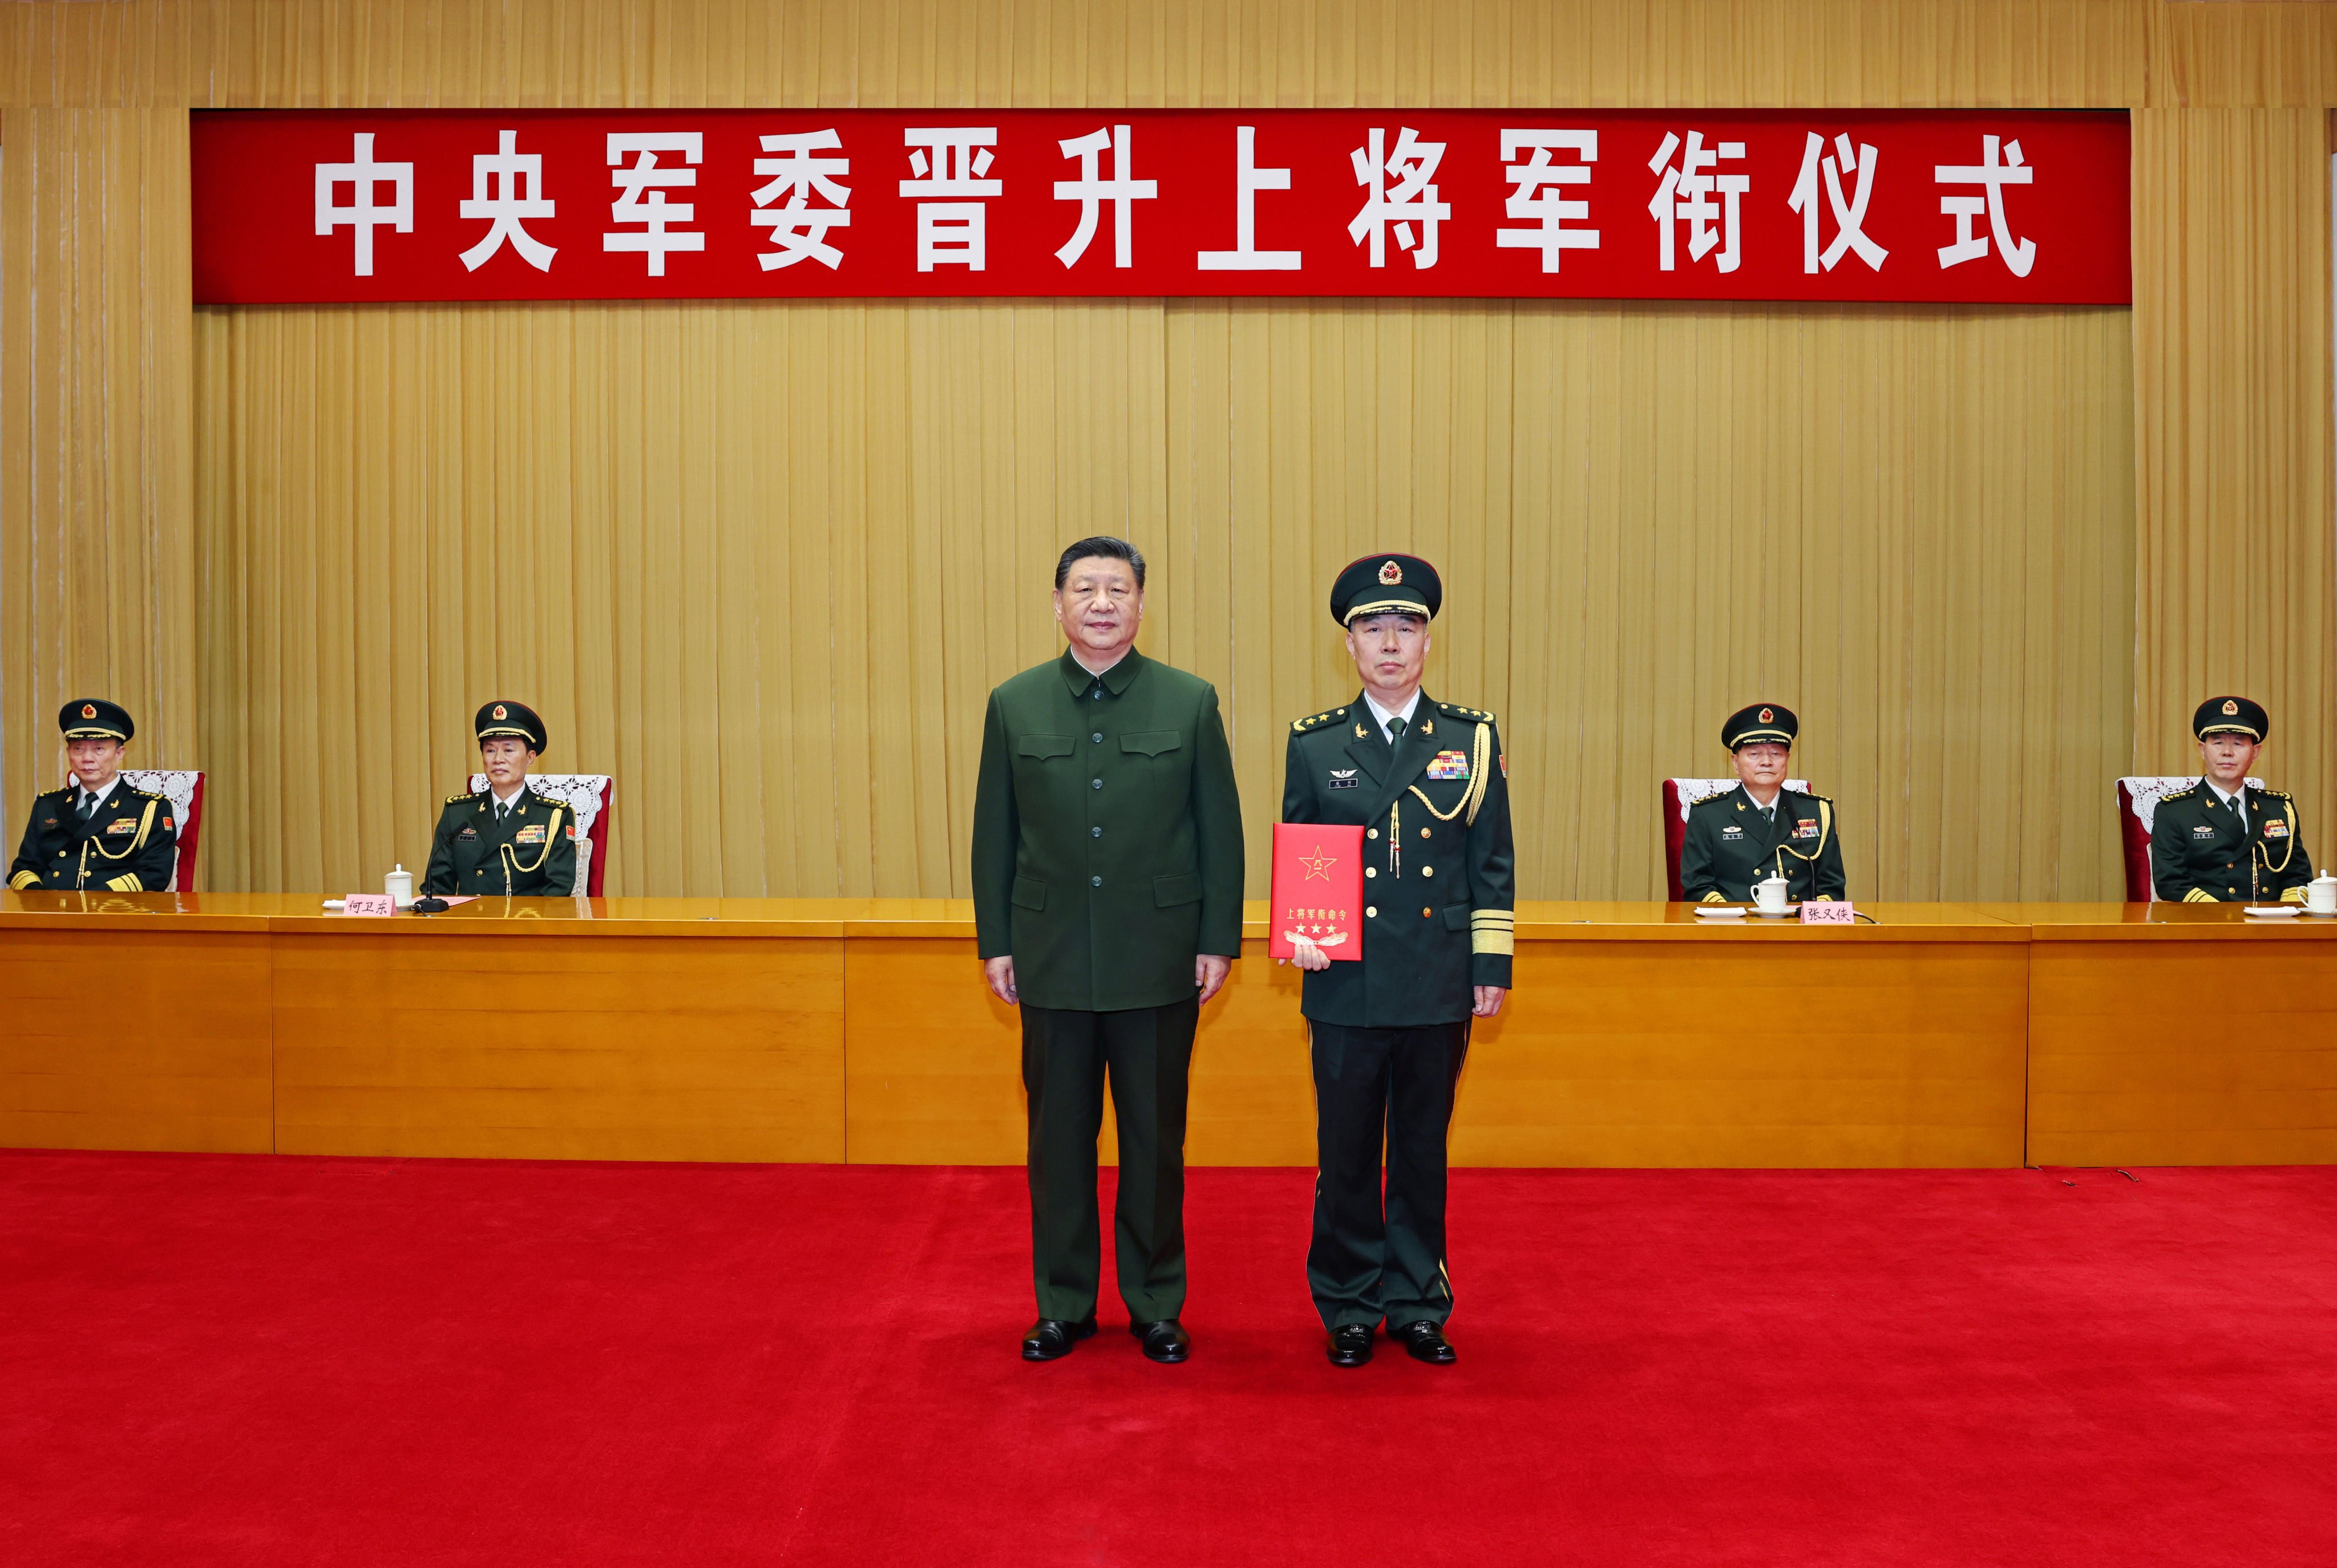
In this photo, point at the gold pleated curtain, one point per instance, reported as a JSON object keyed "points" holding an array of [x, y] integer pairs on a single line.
{"points": [[761, 561]]}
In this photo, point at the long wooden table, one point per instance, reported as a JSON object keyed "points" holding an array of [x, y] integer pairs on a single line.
{"points": [[858, 1029]]}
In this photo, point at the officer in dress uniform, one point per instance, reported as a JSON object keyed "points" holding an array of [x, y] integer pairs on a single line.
{"points": [[1429, 783], [1760, 828], [505, 840], [2222, 839], [99, 831]]}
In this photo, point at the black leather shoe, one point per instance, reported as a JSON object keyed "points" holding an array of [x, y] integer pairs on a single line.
{"points": [[1424, 1342], [1051, 1336], [1165, 1341], [1352, 1345]]}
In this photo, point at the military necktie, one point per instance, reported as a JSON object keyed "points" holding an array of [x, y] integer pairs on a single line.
{"points": [[1395, 730], [88, 805]]}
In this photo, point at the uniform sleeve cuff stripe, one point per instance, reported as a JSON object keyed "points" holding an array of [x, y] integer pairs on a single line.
{"points": [[1500, 943]]}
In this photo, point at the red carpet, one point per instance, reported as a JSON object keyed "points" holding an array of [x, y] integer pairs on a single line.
{"points": [[278, 1361]]}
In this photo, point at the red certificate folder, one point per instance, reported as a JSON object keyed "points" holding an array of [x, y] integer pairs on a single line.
{"points": [[1318, 889]]}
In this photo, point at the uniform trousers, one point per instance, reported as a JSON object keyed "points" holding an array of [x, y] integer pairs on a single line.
{"points": [[1066, 1054], [1373, 1258]]}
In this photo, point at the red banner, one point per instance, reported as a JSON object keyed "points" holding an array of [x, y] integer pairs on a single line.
{"points": [[1977, 206]]}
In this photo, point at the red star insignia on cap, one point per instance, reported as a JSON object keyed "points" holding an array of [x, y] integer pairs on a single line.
{"points": [[89, 710], [2230, 707], [1391, 574], [1766, 717], [500, 713]]}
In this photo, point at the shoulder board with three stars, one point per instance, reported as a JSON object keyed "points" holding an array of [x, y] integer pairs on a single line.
{"points": [[1813, 795], [147, 794], [465, 795], [2181, 795], [2275, 794], [1317, 721], [1457, 711]]}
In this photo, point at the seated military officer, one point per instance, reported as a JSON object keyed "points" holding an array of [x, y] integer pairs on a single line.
{"points": [[2222, 838], [1760, 828], [506, 840], [98, 830]]}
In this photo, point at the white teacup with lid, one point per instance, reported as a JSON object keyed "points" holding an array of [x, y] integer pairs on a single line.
{"points": [[2320, 895], [1769, 895]]}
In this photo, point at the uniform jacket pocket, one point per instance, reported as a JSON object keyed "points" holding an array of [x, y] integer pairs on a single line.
{"points": [[1151, 743], [1044, 745], [1029, 893], [1170, 891], [1456, 917]]}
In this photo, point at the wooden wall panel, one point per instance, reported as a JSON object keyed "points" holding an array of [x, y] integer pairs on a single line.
{"points": [[136, 1040], [617, 1047], [1867, 1056]]}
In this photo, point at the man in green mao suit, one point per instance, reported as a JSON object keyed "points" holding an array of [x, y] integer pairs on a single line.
{"points": [[1761, 829], [1429, 783], [2224, 839], [1108, 903]]}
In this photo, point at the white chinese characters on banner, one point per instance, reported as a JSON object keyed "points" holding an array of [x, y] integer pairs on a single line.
{"points": [[363, 213], [799, 230], [1249, 181], [1849, 216], [507, 188], [655, 214], [1091, 191], [1412, 166], [1686, 197], [1539, 183], [2018, 255], [951, 161]]}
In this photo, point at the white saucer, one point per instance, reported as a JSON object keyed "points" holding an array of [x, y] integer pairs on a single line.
{"points": [[1718, 911], [2270, 912], [1776, 914]]}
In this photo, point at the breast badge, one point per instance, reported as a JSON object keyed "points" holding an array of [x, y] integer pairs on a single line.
{"points": [[2275, 830], [531, 834], [1343, 778], [1805, 828], [1449, 765]]}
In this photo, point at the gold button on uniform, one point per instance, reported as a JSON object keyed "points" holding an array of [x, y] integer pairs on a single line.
{"points": [[1428, 870], [1426, 913], [1369, 911], [1424, 832], [1371, 833], [1370, 870]]}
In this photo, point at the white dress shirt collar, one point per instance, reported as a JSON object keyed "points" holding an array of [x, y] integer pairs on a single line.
{"points": [[1383, 714]]}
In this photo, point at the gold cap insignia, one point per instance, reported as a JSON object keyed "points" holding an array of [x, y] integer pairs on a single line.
{"points": [[2230, 708], [1391, 574], [1766, 717], [500, 713], [89, 710]]}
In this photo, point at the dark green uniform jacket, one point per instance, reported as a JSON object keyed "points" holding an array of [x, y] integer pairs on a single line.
{"points": [[473, 853], [1440, 902], [1107, 834], [2199, 854], [131, 845], [1730, 845]]}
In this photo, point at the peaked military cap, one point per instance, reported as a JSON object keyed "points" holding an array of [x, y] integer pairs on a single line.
{"points": [[1386, 585], [511, 718], [2231, 715], [1762, 721], [94, 719]]}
